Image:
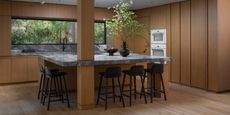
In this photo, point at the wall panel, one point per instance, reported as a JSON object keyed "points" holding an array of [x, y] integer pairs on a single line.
{"points": [[53, 11], [199, 43], [5, 8], [185, 42], [5, 31], [175, 42]]}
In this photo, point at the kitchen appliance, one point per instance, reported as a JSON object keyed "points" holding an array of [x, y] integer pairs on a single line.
{"points": [[158, 42], [158, 49], [158, 36]]}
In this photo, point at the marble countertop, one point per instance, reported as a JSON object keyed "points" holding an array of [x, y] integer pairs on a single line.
{"points": [[68, 59]]}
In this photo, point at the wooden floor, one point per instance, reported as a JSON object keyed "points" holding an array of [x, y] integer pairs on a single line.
{"points": [[21, 100]]}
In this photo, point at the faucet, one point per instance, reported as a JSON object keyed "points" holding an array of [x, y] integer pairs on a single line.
{"points": [[64, 41]]}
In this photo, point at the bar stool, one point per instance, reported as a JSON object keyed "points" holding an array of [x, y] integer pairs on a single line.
{"points": [[154, 70], [42, 77], [55, 87], [134, 71], [110, 73]]}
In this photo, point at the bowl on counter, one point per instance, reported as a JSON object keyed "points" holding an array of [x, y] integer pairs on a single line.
{"points": [[111, 51]]}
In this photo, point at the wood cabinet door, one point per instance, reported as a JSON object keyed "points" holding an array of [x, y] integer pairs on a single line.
{"points": [[5, 31], [33, 68], [175, 42], [19, 69], [199, 43], [185, 43], [5, 73]]}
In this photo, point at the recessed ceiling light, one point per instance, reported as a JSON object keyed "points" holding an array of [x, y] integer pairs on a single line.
{"points": [[43, 2]]}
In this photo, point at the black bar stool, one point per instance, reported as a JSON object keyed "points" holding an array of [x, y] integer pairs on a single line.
{"points": [[54, 87], [134, 71], [154, 70], [110, 73], [42, 77]]}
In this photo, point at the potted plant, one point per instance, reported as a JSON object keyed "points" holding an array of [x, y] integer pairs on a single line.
{"points": [[124, 26]]}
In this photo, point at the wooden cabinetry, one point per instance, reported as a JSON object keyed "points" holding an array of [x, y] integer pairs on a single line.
{"points": [[18, 69], [5, 73], [175, 42], [199, 26], [5, 31], [185, 43], [33, 68]]}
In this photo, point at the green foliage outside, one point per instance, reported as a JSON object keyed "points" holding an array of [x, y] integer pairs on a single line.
{"points": [[99, 33], [48, 32]]}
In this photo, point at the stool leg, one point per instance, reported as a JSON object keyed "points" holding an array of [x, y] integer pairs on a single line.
{"points": [[58, 88], [40, 86], [113, 85], [130, 91], [154, 85], [55, 86], [106, 94], [151, 87], [163, 86], [123, 84], [143, 88], [45, 91], [66, 91], [120, 88], [61, 89], [49, 93], [99, 90], [135, 88]]}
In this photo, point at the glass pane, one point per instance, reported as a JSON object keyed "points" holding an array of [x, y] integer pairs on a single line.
{"points": [[158, 52], [158, 37], [99, 33], [42, 31]]}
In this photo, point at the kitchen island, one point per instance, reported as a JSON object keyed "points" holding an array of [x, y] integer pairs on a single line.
{"points": [[68, 62]]}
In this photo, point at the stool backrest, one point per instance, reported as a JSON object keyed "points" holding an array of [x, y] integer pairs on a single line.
{"points": [[113, 72], [42, 69], [137, 70], [47, 71], [157, 68]]}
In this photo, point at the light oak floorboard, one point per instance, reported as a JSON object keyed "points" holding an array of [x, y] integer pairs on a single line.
{"points": [[182, 100]]}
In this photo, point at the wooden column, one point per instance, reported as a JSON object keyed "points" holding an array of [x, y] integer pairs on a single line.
{"points": [[85, 52]]}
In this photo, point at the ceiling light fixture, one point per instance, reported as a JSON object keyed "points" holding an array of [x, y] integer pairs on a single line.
{"points": [[43, 2]]}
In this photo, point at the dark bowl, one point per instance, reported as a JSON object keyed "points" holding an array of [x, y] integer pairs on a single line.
{"points": [[111, 51]]}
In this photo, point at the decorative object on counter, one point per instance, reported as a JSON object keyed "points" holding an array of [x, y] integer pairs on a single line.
{"points": [[111, 51], [124, 51], [124, 26]]}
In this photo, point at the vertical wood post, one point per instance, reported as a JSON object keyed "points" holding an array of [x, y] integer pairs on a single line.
{"points": [[85, 52]]}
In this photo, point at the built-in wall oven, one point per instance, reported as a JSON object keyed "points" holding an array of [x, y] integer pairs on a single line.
{"points": [[158, 36], [158, 50], [158, 42]]}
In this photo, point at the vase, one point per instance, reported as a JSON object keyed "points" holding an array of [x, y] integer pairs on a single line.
{"points": [[124, 51]]}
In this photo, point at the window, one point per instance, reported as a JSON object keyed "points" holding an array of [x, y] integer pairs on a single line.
{"points": [[100, 33], [28, 31]]}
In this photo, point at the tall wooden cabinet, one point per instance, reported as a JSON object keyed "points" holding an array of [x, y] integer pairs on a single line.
{"points": [[185, 45], [175, 42], [199, 43]]}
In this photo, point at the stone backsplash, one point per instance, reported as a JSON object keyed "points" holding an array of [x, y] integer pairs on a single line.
{"points": [[54, 48]]}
